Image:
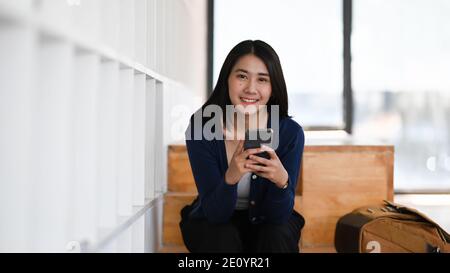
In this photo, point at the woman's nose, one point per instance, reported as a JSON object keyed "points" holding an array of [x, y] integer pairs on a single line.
{"points": [[251, 87]]}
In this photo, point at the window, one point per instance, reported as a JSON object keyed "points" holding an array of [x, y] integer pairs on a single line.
{"points": [[401, 86], [307, 36]]}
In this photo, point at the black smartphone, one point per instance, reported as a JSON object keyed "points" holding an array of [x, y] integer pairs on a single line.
{"points": [[257, 137]]}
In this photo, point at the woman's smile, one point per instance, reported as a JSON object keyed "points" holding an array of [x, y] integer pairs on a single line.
{"points": [[248, 101]]}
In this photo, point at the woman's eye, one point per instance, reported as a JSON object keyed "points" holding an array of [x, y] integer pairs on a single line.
{"points": [[263, 80], [241, 76]]}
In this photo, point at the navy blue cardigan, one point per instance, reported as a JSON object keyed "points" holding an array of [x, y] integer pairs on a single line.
{"points": [[217, 200]]}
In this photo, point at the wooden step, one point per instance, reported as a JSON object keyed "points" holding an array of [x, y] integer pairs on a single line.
{"points": [[180, 178], [173, 203], [183, 249], [318, 249], [173, 249]]}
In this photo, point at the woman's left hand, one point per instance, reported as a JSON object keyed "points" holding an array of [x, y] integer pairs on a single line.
{"points": [[272, 170]]}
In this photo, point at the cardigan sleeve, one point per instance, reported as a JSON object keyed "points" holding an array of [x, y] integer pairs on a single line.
{"points": [[279, 203], [218, 199]]}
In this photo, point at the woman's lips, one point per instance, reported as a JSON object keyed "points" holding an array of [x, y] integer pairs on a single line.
{"points": [[248, 101]]}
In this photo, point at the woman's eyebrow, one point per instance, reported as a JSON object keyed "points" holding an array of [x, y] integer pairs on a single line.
{"points": [[245, 71]]}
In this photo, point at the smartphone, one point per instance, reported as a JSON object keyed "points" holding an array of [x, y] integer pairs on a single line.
{"points": [[257, 137]]}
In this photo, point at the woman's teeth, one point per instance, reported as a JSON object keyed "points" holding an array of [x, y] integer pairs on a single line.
{"points": [[248, 100]]}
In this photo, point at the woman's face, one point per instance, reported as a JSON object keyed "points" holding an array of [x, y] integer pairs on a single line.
{"points": [[249, 82]]}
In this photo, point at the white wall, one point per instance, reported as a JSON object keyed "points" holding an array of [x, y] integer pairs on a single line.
{"points": [[88, 92]]}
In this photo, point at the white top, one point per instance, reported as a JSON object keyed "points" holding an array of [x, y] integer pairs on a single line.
{"points": [[244, 183], [243, 191]]}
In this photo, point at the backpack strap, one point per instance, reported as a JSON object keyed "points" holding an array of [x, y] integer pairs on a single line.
{"points": [[403, 209]]}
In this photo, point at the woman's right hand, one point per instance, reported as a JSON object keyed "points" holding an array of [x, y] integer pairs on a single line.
{"points": [[236, 168]]}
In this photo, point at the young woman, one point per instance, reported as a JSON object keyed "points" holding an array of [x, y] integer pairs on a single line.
{"points": [[245, 202]]}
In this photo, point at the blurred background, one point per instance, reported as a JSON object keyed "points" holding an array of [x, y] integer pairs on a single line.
{"points": [[92, 93], [400, 60]]}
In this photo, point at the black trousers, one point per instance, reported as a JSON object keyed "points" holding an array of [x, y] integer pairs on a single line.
{"points": [[240, 235]]}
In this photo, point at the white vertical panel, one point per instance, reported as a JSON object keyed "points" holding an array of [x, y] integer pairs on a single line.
{"points": [[86, 18], [56, 11], [107, 140], [84, 139], [151, 33], [125, 148], [149, 230], [160, 36], [110, 23], [111, 247], [51, 146], [152, 231], [83, 192], [17, 53], [158, 224], [159, 139], [172, 22], [138, 235], [150, 135], [140, 33], [124, 241], [126, 38], [164, 91], [22, 5], [139, 106]]}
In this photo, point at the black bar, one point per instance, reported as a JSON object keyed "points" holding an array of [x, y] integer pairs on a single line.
{"points": [[225, 262]]}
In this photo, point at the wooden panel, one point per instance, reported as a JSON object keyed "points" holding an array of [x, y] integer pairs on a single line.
{"points": [[336, 202], [319, 232], [324, 158], [357, 168], [173, 249], [173, 203], [335, 181], [180, 178]]}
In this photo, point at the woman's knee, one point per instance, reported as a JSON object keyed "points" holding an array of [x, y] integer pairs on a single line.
{"points": [[202, 236], [277, 238], [222, 238]]}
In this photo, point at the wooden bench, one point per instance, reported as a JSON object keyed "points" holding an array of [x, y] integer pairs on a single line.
{"points": [[334, 180]]}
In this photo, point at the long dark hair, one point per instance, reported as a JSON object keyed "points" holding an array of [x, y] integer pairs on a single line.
{"points": [[267, 54]]}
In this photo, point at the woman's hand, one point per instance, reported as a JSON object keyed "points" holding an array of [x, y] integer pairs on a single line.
{"points": [[238, 162], [273, 169]]}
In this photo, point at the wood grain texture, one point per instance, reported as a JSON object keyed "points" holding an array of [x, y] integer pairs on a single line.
{"points": [[180, 178], [173, 203], [338, 179]]}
